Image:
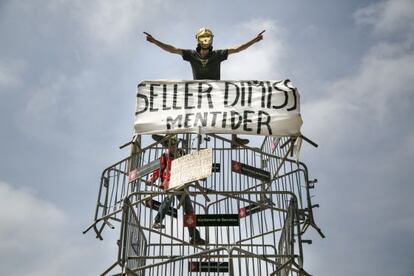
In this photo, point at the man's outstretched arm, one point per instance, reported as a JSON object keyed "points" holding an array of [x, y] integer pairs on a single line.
{"points": [[166, 47], [246, 45]]}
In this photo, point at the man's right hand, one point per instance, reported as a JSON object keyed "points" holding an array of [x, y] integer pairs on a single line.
{"points": [[165, 47], [149, 37]]}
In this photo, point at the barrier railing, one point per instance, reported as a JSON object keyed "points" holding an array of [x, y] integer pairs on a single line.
{"points": [[264, 188], [143, 250]]}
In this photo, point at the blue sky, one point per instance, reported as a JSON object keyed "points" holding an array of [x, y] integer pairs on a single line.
{"points": [[68, 75]]}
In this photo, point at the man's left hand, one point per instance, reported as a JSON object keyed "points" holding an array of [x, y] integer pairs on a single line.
{"points": [[259, 36]]}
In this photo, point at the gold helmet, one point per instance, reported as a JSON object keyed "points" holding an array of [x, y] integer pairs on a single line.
{"points": [[204, 38]]}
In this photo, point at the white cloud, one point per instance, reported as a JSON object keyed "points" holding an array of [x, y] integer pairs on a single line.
{"points": [[261, 60], [43, 105], [109, 22], [21, 208], [36, 233], [97, 25], [29, 226], [57, 106], [373, 97], [111, 25], [388, 16], [363, 124], [11, 73]]}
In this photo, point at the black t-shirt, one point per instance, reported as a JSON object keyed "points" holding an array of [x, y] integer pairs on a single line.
{"points": [[207, 68]]}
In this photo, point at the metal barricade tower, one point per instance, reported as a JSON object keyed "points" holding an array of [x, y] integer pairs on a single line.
{"points": [[253, 211]]}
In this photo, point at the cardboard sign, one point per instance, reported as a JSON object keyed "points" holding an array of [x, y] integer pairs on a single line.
{"points": [[208, 267], [193, 220], [191, 167], [251, 171], [144, 170], [154, 204]]}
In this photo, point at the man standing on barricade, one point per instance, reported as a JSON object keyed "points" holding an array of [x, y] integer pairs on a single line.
{"points": [[164, 174], [205, 62]]}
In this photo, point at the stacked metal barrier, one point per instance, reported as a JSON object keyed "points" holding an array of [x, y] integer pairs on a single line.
{"points": [[273, 214]]}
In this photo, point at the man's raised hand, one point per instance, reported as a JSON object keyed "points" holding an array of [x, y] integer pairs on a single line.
{"points": [[149, 37], [260, 36]]}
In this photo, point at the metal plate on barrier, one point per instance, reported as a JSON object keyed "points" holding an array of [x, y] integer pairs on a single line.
{"points": [[194, 220], [208, 267], [249, 210], [154, 204], [216, 167], [251, 171], [144, 170]]}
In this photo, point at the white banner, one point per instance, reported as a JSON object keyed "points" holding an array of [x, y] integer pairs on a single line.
{"points": [[239, 107]]}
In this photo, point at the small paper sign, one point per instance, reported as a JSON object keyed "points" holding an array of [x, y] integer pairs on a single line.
{"points": [[251, 171], [193, 220], [249, 210], [208, 267], [215, 168]]}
